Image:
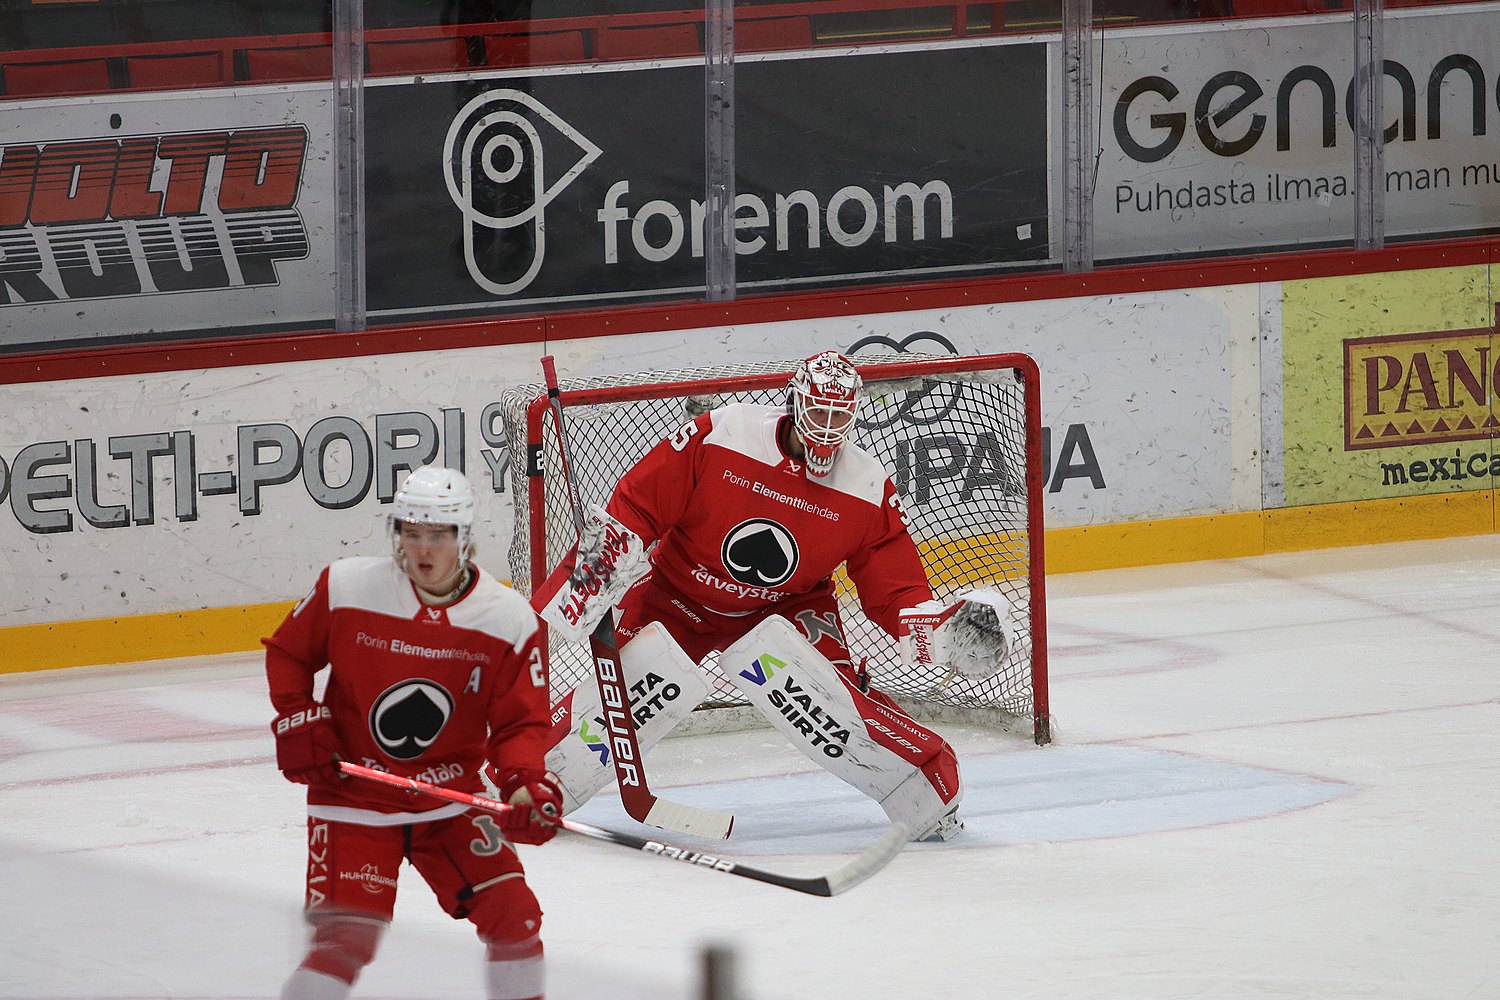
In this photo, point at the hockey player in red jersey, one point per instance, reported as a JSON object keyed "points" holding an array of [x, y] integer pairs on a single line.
{"points": [[433, 673], [752, 509]]}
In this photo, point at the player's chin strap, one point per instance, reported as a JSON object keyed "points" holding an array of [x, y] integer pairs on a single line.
{"points": [[851, 874], [439, 600]]}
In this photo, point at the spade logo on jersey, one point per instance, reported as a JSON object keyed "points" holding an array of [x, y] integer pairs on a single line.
{"points": [[407, 717], [760, 553]]}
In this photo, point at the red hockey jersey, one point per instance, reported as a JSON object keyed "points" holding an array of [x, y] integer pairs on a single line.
{"points": [[742, 527], [425, 692]]}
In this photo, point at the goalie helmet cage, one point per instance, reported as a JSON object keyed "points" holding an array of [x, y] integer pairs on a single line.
{"points": [[962, 437]]}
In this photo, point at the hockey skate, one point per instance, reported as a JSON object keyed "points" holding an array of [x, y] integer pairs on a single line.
{"points": [[947, 828]]}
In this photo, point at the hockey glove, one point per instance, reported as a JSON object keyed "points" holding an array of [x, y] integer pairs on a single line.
{"points": [[306, 748], [537, 789], [971, 634], [609, 559]]}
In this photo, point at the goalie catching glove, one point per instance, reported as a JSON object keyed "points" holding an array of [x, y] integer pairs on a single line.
{"points": [[972, 634], [538, 803], [609, 559]]}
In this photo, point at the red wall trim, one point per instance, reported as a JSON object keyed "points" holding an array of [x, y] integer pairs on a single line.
{"points": [[234, 352]]}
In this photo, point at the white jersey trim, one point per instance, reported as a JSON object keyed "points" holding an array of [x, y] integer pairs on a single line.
{"points": [[373, 817], [750, 430], [377, 584]]}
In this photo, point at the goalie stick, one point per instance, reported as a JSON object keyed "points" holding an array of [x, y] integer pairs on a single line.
{"points": [[875, 857], [624, 746]]}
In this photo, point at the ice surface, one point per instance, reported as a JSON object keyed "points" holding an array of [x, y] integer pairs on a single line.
{"points": [[1274, 778]]}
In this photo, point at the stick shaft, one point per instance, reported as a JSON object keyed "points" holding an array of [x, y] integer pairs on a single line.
{"points": [[845, 878], [609, 673]]}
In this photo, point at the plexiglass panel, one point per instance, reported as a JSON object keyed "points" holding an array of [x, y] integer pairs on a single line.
{"points": [[166, 171], [173, 168], [1223, 136]]}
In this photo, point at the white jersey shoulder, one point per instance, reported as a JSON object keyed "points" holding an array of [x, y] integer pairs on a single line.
{"points": [[750, 429], [377, 584], [371, 583], [495, 609], [858, 474]]}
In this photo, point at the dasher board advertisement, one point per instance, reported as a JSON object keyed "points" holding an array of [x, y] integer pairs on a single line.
{"points": [[136, 494], [1239, 136], [165, 214], [559, 189]]}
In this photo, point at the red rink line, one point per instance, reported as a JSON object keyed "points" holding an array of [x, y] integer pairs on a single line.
{"points": [[1306, 721], [141, 772]]}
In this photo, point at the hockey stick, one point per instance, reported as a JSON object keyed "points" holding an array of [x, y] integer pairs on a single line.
{"points": [[875, 857], [624, 745]]}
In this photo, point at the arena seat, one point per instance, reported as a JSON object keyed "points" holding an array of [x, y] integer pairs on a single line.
{"points": [[657, 41], [71, 76], [305, 62], [175, 20], [179, 69], [547, 48], [426, 55], [760, 34]]}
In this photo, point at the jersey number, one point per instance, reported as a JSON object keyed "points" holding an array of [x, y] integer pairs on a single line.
{"points": [[895, 502], [538, 672], [490, 841], [684, 434]]}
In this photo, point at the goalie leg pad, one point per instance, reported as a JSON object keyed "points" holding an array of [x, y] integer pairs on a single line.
{"points": [[665, 686], [910, 770]]}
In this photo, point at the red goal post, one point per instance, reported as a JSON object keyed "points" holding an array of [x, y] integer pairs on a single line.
{"points": [[961, 436]]}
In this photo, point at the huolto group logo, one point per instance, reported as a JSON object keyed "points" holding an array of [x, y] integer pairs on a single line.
{"points": [[97, 217]]}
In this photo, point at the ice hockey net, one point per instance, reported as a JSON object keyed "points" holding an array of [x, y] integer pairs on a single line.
{"points": [[961, 436]]}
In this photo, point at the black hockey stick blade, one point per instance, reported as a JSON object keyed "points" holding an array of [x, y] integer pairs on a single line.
{"points": [[851, 874]]}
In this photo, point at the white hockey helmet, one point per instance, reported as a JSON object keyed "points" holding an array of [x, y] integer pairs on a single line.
{"points": [[822, 398], [435, 495]]}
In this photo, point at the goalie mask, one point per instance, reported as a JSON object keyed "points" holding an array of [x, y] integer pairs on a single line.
{"points": [[822, 398], [434, 495]]}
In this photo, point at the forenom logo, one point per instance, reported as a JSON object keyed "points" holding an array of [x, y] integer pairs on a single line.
{"points": [[497, 174], [501, 175]]}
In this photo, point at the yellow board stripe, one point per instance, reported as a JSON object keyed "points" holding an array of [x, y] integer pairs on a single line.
{"points": [[139, 637], [1107, 546]]}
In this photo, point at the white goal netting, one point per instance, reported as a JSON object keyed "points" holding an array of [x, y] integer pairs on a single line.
{"points": [[961, 437]]}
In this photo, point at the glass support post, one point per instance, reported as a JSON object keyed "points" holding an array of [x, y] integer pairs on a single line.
{"points": [[718, 150], [1078, 136], [349, 163], [1369, 125]]}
